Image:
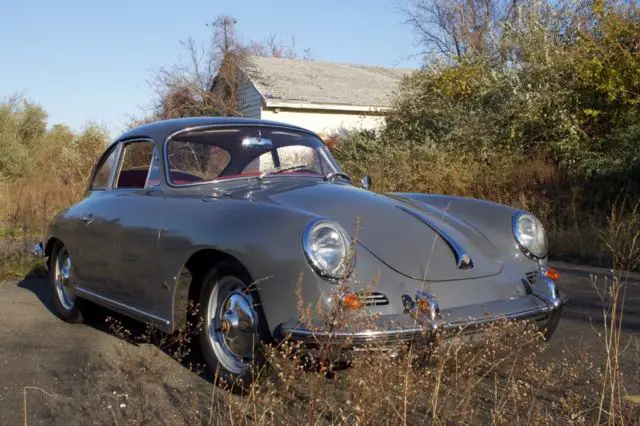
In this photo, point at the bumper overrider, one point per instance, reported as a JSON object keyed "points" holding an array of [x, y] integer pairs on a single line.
{"points": [[38, 250], [422, 320]]}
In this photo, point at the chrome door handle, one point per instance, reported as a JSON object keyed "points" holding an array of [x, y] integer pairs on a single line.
{"points": [[87, 219]]}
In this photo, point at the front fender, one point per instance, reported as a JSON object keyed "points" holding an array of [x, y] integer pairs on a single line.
{"points": [[265, 238]]}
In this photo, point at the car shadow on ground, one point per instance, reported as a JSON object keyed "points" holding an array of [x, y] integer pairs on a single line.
{"points": [[185, 351], [39, 286]]}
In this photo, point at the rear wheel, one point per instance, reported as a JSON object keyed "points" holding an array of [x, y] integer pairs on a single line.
{"points": [[63, 285], [230, 334]]}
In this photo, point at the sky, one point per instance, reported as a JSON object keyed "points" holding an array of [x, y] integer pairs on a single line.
{"points": [[92, 61]]}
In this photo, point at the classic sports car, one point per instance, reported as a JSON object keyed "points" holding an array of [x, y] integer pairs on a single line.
{"points": [[244, 217]]}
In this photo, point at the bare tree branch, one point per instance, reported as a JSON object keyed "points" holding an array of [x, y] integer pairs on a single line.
{"points": [[456, 28], [209, 82]]}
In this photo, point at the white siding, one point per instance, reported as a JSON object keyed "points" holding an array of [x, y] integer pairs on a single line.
{"points": [[324, 122], [250, 100]]}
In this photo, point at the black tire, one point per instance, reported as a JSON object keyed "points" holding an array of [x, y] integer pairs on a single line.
{"points": [[66, 305], [226, 285]]}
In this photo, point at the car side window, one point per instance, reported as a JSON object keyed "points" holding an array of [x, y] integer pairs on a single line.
{"points": [[135, 163], [101, 178]]}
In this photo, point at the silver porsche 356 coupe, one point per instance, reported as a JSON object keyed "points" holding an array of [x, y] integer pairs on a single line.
{"points": [[245, 217]]}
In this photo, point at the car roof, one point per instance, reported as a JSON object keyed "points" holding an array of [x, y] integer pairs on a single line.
{"points": [[160, 130]]}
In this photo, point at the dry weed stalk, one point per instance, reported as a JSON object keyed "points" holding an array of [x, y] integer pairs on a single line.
{"points": [[622, 238]]}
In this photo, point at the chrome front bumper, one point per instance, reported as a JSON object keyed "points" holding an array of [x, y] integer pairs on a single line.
{"points": [[543, 306]]}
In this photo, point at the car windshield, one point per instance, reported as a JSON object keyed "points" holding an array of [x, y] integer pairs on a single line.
{"points": [[213, 154]]}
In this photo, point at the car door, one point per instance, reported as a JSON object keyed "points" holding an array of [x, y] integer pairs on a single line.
{"points": [[120, 227], [133, 216], [88, 241]]}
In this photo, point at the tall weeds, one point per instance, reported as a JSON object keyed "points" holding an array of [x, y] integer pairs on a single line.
{"points": [[622, 237], [41, 172]]}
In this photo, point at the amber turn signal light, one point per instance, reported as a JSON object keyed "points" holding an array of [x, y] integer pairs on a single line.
{"points": [[552, 273], [351, 301], [423, 305]]}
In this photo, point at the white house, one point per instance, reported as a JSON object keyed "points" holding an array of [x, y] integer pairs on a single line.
{"points": [[324, 97]]}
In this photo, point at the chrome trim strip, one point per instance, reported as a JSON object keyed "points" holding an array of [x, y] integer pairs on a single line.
{"points": [[463, 260], [426, 325], [358, 334], [527, 313], [119, 306], [407, 333]]}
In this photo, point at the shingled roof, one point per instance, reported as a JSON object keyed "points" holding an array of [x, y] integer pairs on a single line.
{"points": [[317, 82]]}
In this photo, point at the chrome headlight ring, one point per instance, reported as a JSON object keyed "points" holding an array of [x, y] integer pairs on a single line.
{"points": [[329, 249], [530, 235]]}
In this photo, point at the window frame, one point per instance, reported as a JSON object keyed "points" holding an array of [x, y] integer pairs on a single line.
{"points": [[165, 150], [155, 158], [115, 148], [117, 170]]}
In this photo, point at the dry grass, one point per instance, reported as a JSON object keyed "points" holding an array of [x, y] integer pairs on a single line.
{"points": [[507, 379], [27, 206]]}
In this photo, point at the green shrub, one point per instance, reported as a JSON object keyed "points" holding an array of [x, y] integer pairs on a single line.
{"points": [[42, 170]]}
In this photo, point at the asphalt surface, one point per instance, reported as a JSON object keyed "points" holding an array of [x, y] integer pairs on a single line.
{"points": [[57, 373]]}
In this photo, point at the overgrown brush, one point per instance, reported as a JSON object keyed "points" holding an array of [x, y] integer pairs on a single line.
{"points": [[544, 116], [534, 183], [41, 172]]}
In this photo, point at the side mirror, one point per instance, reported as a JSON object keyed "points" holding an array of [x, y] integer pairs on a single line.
{"points": [[365, 182]]}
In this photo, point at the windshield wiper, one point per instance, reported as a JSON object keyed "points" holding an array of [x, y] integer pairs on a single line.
{"points": [[331, 176], [282, 169]]}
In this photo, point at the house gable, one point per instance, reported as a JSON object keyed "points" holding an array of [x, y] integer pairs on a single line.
{"points": [[322, 96]]}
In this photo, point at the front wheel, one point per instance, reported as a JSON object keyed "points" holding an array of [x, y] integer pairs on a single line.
{"points": [[63, 286], [230, 333]]}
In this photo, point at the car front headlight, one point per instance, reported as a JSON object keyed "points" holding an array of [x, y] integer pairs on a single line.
{"points": [[328, 248], [530, 235]]}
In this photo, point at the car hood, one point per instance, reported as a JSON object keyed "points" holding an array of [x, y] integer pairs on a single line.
{"points": [[413, 238]]}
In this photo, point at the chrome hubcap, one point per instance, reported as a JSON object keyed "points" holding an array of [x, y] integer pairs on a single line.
{"points": [[232, 325], [64, 286]]}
